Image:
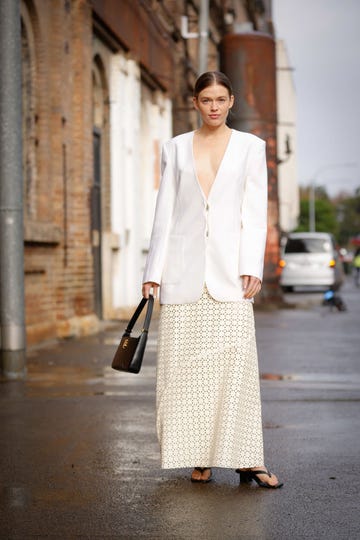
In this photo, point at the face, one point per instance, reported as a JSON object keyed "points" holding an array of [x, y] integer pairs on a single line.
{"points": [[214, 104]]}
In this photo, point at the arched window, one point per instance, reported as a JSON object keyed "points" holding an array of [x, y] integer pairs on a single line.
{"points": [[99, 93]]}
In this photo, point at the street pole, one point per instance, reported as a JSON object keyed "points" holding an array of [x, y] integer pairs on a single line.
{"points": [[203, 35], [312, 224], [12, 318]]}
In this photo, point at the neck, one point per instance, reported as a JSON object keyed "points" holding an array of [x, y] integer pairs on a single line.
{"points": [[207, 130]]}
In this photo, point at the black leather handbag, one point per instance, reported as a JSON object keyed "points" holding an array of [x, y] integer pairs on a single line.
{"points": [[129, 354]]}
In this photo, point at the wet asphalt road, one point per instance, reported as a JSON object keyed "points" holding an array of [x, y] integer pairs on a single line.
{"points": [[79, 456]]}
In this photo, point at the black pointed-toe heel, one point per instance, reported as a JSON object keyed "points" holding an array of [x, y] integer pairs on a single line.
{"points": [[246, 477], [200, 480]]}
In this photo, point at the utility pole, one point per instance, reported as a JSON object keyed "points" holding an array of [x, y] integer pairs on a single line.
{"points": [[312, 223], [203, 35], [12, 318]]}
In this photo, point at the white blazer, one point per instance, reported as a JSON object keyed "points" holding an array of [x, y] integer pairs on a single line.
{"points": [[196, 241]]}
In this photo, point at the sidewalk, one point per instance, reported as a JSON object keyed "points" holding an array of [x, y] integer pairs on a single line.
{"points": [[79, 456]]}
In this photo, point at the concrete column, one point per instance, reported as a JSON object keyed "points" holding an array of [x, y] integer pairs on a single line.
{"points": [[12, 318]]}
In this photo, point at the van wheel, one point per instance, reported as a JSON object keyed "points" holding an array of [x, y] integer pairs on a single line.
{"points": [[288, 288]]}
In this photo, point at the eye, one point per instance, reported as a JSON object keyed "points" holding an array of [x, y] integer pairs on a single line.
{"points": [[205, 100]]}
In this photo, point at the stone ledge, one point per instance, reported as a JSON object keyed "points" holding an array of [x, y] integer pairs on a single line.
{"points": [[36, 333], [78, 326], [36, 232], [125, 313]]}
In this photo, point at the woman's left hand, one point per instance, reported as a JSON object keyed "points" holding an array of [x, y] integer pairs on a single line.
{"points": [[251, 286]]}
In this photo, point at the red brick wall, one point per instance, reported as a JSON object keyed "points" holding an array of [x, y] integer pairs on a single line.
{"points": [[59, 283], [58, 258]]}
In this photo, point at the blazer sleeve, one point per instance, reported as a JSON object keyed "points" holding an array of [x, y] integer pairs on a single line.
{"points": [[162, 220], [254, 214]]}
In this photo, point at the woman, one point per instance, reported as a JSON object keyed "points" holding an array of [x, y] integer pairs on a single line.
{"points": [[207, 251]]}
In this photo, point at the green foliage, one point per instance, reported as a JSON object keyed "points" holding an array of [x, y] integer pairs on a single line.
{"points": [[340, 216], [349, 218], [320, 193], [325, 216]]}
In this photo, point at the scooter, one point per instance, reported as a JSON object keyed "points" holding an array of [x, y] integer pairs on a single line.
{"points": [[334, 301]]}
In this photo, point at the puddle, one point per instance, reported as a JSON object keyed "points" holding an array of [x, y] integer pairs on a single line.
{"points": [[54, 380], [332, 378], [23, 496], [273, 377], [269, 425], [15, 496]]}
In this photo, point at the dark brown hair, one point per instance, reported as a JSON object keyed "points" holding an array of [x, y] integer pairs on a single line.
{"points": [[209, 78]]}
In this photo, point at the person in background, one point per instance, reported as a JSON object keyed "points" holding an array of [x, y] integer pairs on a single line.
{"points": [[356, 264]]}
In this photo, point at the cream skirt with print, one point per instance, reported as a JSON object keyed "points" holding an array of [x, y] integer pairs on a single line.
{"points": [[208, 397]]}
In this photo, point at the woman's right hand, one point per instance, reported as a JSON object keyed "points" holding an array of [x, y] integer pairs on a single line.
{"points": [[147, 287]]}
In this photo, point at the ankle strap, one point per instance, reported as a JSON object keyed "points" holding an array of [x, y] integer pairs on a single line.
{"points": [[258, 471]]}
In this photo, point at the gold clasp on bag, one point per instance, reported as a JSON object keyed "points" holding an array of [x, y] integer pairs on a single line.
{"points": [[126, 343]]}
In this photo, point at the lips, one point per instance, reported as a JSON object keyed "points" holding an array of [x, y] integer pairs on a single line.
{"points": [[214, 116]]}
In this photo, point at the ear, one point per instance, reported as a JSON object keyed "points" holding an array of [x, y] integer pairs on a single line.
{"points": [[195, 103], [231, 101]]}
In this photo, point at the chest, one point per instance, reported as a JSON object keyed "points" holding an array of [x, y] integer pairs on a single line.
{"points": [[207, 161]]}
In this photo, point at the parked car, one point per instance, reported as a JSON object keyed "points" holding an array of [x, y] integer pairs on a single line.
{"points": [[310, 259]]}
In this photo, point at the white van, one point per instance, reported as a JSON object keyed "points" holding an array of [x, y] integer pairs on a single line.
{"points": [[310, 259]]}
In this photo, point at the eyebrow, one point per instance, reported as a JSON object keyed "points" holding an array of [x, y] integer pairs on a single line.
{"points": [[217, 97]]}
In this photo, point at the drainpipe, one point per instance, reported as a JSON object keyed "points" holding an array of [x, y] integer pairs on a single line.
{"points": [[12, 318], [203, 35]]}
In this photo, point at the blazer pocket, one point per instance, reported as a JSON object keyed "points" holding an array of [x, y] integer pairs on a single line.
{"points": [[174, 262]]}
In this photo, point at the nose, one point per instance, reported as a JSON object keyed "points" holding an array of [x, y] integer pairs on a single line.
{"points": [[214, 106]]}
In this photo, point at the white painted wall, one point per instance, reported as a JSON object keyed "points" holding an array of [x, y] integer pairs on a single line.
{"points": [[156, 128], [139, 119], [286, 112]]}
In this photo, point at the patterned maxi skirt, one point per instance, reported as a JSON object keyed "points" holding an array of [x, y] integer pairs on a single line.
{"points": [[208, 396]]}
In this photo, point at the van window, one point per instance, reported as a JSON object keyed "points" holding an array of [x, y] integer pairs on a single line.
{"points": [[307, 245]]}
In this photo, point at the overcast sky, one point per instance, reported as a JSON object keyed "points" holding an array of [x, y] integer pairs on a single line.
{"points": [[323, 43]]}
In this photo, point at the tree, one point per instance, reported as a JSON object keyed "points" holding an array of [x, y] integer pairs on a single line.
{"points": [[325, 212], [348, 212]]}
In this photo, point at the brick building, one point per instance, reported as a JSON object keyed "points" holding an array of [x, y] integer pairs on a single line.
{"points": [[105, 82]]}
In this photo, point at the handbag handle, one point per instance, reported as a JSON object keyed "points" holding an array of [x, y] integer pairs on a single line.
{"points": [[137, 313]]}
